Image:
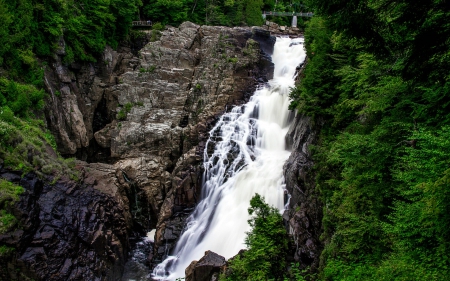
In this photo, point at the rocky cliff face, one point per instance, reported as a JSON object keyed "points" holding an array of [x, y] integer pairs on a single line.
{"points": [[67, 230], [147, 115], [304, 216]]}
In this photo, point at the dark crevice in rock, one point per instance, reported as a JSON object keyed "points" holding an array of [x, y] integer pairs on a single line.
{"points": [[101, 116], [184, 121], [144, 219], [93, 153], [136, 44]]}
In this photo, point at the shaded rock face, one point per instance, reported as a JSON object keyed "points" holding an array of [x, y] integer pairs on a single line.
{"points": [[148, 114], [304, 216], [79, 99], [67, 230], [206, 269]]}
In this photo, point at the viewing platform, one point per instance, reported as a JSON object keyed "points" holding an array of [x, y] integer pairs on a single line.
{"points": [[142, 23], [287, 14]]}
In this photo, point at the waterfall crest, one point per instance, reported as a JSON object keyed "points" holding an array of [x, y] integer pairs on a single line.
{"points": [[244, 155]]}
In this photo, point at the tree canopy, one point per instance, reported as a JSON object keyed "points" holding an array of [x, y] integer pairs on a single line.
{"points": [[267, 244], [377, 79]]}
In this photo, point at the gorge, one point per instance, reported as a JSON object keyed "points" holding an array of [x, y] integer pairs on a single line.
{"points": [[121, 145], [141, 121], [244, 155]]}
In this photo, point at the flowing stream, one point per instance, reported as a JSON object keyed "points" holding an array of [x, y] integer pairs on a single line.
{"points": [[244, 155]]}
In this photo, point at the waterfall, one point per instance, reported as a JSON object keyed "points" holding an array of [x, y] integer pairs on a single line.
{"points": [[244, 155]]}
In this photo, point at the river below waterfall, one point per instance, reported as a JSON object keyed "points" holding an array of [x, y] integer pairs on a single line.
{"points": [[244, 155]]}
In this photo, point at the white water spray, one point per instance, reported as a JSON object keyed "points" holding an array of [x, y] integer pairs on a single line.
{"points": [[244, 155]]}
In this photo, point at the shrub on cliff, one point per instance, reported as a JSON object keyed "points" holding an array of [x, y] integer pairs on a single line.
{"points": [[9, 194], [26, 145], [21, 99], [267, 244]]}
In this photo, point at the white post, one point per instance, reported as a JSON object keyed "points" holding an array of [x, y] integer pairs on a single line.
{"points": [[294, 21]]}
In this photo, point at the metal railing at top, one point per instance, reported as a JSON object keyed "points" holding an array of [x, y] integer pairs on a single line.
{"points": [[287, 14], [142, 23]]}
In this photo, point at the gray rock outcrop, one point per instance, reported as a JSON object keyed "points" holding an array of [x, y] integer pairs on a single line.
{"points": [[148, 114]]}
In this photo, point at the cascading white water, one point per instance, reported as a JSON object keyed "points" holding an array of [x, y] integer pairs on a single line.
{"points": [[245, 155]]}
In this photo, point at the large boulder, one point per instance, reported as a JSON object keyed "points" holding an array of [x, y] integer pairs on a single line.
{"points": [[206, 269]]}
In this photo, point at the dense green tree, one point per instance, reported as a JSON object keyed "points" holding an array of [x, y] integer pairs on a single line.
{"points": [[267, 244], [171, 12], [212, 12], [253, 12], [6, 19], [377, 82]]}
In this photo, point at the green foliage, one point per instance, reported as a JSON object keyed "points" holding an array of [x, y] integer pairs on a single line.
{"points": [[30, 29], [150, 69], [155, 35], [122, 114], [26, 145], [267, 244], [156, 31], [253, 14], [318, 85], [5, 250], [8, 189], [171, 12], [158, 26], [211, 12], [232, 60], [9, 194], [382, 158], [21, 99]]}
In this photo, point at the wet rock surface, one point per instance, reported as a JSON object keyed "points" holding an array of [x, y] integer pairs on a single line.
{"points": [[67, 230], [304, 216], [136, 267]]}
